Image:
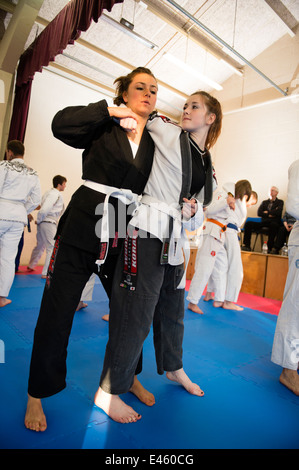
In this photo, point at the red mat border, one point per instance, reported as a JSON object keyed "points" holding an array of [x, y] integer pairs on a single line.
{"points": [[254, 302], [262, 304]]}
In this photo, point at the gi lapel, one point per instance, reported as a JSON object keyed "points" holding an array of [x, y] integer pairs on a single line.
{"points": [[186, 166]]}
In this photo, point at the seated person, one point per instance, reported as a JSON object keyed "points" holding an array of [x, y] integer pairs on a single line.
{"points": [[283, 233], [270, 211]]}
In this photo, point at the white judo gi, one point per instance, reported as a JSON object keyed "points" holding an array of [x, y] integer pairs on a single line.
{"points": [[285, 351], [227, 276], [160, 201], [213, 239], [19, 195], [52, 207]]}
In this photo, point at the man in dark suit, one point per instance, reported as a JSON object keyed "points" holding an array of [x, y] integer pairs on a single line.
{"points": [[270, 212]]}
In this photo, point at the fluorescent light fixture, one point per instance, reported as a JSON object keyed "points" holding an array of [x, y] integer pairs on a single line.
{"points": [[127, 27], [234, 69], [193, 72]]}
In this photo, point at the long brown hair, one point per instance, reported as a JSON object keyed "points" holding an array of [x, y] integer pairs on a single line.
{"points": [[242, 188], [214, 107], [124, 82]]}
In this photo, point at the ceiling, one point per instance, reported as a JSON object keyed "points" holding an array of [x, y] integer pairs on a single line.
{"points": [[208, 36]]}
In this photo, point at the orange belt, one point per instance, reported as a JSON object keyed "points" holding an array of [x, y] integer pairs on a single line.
{"points": [[223, 227]]}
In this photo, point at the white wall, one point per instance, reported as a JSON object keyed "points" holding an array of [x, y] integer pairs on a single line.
{"points": [[257, 143]]}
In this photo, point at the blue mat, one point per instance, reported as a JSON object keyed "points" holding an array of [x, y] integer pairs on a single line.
{"points": [[226, 352]]}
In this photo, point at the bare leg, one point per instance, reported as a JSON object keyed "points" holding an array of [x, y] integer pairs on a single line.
{"points": [[231, 306], [290, 379], [181, 377], [208, 296], [81, 304], [35, 418], [195, 308], [4, 301], [144, 395], [115, 408]]}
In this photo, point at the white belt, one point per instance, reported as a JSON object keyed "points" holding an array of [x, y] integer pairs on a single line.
{"points": [[171, 211], [126, 196], [176, 234]]}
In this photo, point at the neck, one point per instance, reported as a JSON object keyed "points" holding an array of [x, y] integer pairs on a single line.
{"points": [[199, 138]]}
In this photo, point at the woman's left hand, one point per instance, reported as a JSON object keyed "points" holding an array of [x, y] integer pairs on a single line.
{"points": [[189, 208]]}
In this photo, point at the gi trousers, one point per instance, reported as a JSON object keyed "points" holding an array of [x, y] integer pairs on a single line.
{"points": [[285, 349], [205, 261], [69, 270], [45, 239], [155, 300], [10, 235]]}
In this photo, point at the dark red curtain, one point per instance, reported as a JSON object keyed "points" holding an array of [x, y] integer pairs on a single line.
{"points": [[66, 27]]}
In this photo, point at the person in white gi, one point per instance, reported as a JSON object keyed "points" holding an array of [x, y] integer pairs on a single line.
{"points": [[227, 276], [19, 194], [149, 280], [221, 224], [285, 350], [52, 207]]}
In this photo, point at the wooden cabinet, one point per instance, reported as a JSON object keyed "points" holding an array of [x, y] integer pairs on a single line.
{"points": [[277, 271], [264, 275], [254, 268]]}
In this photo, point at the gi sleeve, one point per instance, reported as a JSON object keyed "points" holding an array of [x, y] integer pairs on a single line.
{"points": [[292, 202], [76, 125], [34, 197], [47, 205]]}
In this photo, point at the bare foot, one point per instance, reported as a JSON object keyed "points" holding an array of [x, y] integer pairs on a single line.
{"points": [[35, 418], [181, 377], [44, 276], [217, 304], [195, 308], [115, 408], [105, 317], [231, 306], [144, 395], [290, 379], [81, 304], [4, 301], [208, 296]]}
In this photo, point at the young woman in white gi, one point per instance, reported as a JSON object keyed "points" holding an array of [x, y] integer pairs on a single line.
{"points": [[227, 276], [285, 351], [153, 291]]}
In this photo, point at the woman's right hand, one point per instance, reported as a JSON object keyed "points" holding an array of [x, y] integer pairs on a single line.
{"points": [[128, 120]]}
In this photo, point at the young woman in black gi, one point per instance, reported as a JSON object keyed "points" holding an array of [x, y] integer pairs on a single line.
{"points": [[118, 153]]}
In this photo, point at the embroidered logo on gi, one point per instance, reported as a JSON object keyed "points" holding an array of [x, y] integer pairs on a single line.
{"points": [[295, 345], [115, 241], [297, 263], [213, 253]]}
